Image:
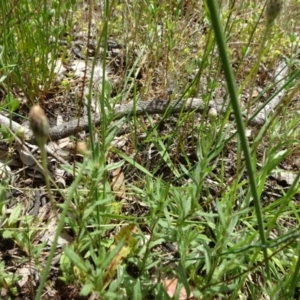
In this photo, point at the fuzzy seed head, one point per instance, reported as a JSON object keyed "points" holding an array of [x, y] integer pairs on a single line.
{"points": [[21, 134], [212, 114], [39, 124], [273, 9]]}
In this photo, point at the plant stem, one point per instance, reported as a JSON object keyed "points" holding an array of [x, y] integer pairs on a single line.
{"points": [[47, 178], [216, 23]]}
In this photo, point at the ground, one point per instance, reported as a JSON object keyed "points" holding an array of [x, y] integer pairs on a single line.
{"points": [[164, 187]]}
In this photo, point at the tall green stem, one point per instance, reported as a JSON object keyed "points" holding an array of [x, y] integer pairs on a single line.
{"points": [[216, 23]]}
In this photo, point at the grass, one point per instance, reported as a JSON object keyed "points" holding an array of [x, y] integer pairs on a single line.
{"points": [[183, 205]]}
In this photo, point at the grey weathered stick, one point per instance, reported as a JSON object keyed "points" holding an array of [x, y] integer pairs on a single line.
{"points": [[15, 127], [141, 108], [280, 74], [152, 107], [160, 107]]}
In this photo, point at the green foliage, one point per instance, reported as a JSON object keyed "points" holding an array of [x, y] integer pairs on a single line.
{"points": [[198, 183], [29, 36]]}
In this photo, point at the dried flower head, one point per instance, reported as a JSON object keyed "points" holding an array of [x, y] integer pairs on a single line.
{"points": [[82, 148], [273, 9], [212, 114], [39, 124], [21, 134]]}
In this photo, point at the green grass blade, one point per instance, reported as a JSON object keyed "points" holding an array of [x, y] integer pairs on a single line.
{"points": [[216, 23]]}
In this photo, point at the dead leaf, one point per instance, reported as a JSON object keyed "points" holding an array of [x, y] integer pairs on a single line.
{"points": [[130, 241], [170, 286], [28, 160], [26, 272], [255, 94], [126, 233], [117, 184], [283, 175], [57, 148], [78, 66], [63, 239], [59, 178], [5, 171], [64, 142], [59, 70]]}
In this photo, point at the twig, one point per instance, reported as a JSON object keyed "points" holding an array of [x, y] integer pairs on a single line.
{"points": [[150, 107]]}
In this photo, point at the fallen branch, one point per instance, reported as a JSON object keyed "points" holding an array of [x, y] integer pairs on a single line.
{"points": [[152, 107], [141, 108], [281, 73]]}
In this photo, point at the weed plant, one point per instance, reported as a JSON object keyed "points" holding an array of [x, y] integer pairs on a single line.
{"points": [[30, 36]]}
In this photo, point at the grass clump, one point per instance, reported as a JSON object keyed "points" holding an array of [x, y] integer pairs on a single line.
{"points": [[30, 38]]}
